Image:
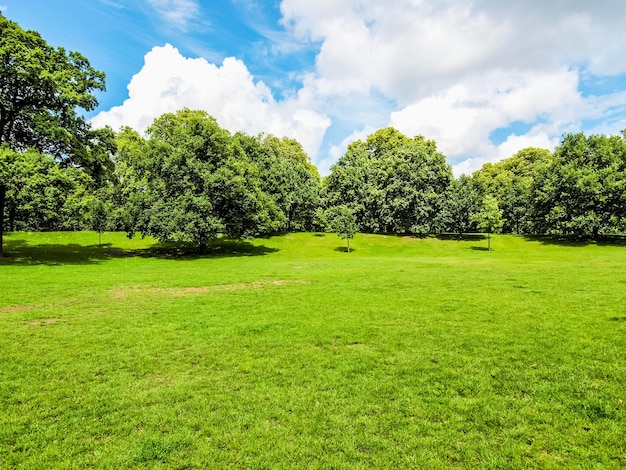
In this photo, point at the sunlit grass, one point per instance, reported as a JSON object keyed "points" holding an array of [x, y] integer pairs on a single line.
{"points": [[287, 352]]}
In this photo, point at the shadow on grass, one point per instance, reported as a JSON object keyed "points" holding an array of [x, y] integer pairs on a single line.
{"points": [[344, 249], [217, 249], [20, 253], [480, 248], [618, 319], [465, 237], [607, 240]]}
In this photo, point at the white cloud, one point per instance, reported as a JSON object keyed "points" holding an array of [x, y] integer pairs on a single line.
{"points": [[451, 71], [460, 70], [462, 118], [168, 82], [178, 13]]}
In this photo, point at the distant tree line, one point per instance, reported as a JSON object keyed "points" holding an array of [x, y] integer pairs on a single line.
{"points": [[189, 180]]}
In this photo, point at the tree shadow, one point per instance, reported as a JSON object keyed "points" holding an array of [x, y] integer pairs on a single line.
{"points": [[571, 241], [464, 237], [216, 249], [21, 253], [344, 249], [480, 248], [618, 319]]}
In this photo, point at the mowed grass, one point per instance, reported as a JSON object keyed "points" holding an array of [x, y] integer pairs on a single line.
{"points": [[287, 352]]}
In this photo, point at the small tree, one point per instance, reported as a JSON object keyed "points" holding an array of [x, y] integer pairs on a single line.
{"points": [[342, 221], [99, 218], [489, 218]]}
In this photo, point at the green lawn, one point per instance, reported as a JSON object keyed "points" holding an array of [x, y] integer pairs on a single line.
{"points": [[287, 352]]}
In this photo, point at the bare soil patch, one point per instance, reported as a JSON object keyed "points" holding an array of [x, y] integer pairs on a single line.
{"points": [[16, 308], [43, 321], [196, 290]]}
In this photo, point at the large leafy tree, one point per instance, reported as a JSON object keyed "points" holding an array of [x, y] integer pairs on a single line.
{"points": [[41, 90], [391, 182], [287, 176], [41, 195], [188, 182], [461, 203], [582, 192], [510, 182]]}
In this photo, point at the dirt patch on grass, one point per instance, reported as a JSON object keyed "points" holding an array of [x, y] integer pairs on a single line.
{"points": [[43, 321], [197, 290], [16, 308]]}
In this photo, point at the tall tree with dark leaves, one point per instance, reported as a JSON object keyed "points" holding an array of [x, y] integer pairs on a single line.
{"points": [[188, 182], [582, 192], [391, 182], [41, 90]]}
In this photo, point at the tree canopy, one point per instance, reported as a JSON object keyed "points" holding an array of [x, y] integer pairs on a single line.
{"points": [[41, 90], [391, 182]]}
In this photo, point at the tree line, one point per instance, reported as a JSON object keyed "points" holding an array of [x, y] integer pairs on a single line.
{"points": [[186, 179]]}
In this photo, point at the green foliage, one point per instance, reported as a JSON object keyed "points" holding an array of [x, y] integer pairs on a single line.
{"points": [[341, 220], [99, 217], [40, 195], [287, 176], [461, 203], [510, 181], [409, 353], [187, 183], [489, 217], [581, 193], [392, 183], [42, 88]]}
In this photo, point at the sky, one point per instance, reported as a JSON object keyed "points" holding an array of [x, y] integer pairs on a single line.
{"points": [[482, 78]]}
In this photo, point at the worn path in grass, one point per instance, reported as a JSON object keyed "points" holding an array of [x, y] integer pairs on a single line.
{"points": [[287, 352]]}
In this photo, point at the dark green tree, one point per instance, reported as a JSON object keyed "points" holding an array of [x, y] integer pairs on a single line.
{"points": [[188, 182], [461, 203], [581, 193], [287, 176], [42, 89], [391, 182], [510, 181]]}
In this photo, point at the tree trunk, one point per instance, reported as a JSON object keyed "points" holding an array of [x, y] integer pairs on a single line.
{"points": [[348, 244], [2, 195], [489, 241]]}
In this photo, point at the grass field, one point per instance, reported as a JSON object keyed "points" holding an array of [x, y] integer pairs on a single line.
{"points": [[287, 352]]}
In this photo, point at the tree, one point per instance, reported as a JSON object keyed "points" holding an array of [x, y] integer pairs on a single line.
{"points": [[510, 182], [581, 193], [41, 195], [461, 203], [99, 217], [342, 221], [489, 218], [287, 176], [188, 182], [41, 90], [391, 182]]}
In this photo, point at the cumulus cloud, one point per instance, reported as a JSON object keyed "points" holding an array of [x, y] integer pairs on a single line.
{"points": [[458, 71], [462, 118], [452, 71], [169, 81]]}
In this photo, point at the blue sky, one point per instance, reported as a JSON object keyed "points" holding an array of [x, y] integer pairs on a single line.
{"points": [[483, 79]]}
